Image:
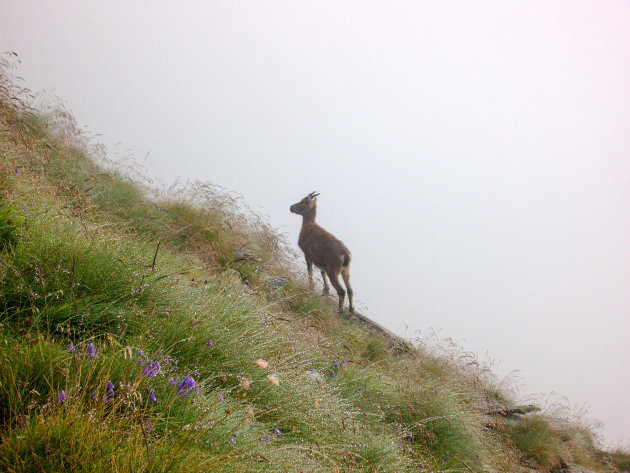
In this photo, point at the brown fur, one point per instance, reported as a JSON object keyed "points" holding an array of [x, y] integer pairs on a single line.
{"points": [[323, 250]]}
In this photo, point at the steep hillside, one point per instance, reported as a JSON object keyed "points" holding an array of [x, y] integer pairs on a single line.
{"points": [[150, 331]]}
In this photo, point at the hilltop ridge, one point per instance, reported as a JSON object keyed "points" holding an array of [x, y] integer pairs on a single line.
{"points": [[139, 331]]}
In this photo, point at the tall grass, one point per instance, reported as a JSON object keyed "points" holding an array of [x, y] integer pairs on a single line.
{"points": [[137, 335]]}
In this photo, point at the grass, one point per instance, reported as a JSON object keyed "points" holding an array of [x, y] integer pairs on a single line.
{"points": [[149, 311]]}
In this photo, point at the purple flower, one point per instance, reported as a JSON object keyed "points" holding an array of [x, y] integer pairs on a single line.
{"points": [[151, 370], [148, 427], [187, 385], [209, 344], [335, 364], [152, 397], [61, 397], [422, 466], [332, 374], [196, 373], [109, 390], [141, 353], [17, 170], [172, 380], [71, 348], [221, 398], [276, 431], [91, 351], [442, 462], [233, 441], [344, 362]]}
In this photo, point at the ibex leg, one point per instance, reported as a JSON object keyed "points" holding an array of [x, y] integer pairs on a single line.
{"points": [[309, 268], [345, 274], [326, 287], [334, 280]]}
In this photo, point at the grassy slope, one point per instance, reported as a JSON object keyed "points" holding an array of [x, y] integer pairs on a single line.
{"points": [[80, 264]]}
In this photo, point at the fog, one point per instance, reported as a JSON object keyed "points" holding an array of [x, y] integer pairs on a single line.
{"points": [[474, 156]]}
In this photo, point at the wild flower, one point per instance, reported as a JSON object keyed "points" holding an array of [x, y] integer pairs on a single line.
{"points": [[109, 391], [276, 431], [332, 374], [151, 370], [61, 397], [221, 398], [209, 344], [344, 362], [152, 397], [148, 427], [17, 170], [71, 348], [172, 381], [232, 440], [91, 351], [186, 386], [335, 364]]}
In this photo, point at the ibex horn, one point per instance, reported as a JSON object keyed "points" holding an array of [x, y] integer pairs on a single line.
{"points": [[313, 194]]}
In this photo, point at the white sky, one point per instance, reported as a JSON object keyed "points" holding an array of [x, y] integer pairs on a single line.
{"points": [[474, 156]]}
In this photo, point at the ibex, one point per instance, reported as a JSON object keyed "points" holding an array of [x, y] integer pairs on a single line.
{"points": [[323, 250]]}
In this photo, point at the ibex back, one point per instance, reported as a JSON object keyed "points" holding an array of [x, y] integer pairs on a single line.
{"points": [[323, 250]]}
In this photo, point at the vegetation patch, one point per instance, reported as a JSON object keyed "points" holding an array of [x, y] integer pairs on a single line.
{"points": [[137, 333]]}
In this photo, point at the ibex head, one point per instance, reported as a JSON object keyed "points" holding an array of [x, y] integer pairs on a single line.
{"points": [[305, 205]]}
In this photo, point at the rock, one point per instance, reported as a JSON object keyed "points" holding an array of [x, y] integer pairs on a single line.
{"points": [[505, 410], [573, 469], [243, 255], [274, 282], [398, 344]]}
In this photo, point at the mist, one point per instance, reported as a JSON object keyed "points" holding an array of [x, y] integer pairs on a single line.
{"points": [[474, 157]]}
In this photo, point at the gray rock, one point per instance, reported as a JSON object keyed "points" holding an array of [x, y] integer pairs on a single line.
{"points": [[241, 254], [275, 282], [397, 343], [505, 410]]}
